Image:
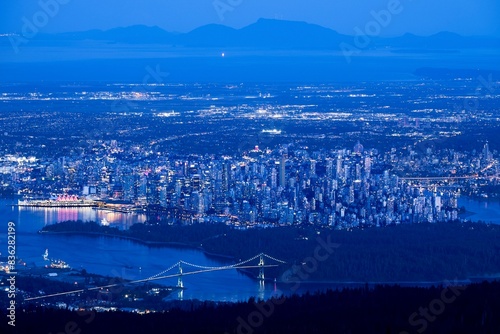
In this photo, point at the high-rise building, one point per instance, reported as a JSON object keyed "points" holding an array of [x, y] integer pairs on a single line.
{"points": [[486, 152], [329, 168], [339, 166], [273, 178], [225, 177], [368, 166], [282, 173], [196, 182], [152, 189]]}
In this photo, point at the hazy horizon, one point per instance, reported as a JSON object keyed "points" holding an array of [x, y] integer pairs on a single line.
{"points": [[430, 34], [421, 18]]}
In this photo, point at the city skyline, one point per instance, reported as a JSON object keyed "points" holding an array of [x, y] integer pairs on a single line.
{"points": [[287, 168], [260, 167]]}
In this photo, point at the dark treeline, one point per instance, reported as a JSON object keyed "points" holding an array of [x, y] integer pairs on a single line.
{"points": [[384, 309], [414, 252]]}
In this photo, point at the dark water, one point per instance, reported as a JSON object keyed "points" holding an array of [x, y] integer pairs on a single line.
{"points": [[207, 65], [127, 259], [33, 219], [130, 260], [485, 210]]}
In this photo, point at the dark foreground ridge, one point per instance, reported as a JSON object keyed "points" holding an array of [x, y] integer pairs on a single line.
{"points": [[384, 309]]}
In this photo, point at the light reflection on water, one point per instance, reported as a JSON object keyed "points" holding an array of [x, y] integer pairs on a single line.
{"points": [[119, 257], [55, 215], [131, 260]]}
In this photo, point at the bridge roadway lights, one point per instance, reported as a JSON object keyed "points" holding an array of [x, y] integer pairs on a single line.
{"points": [[180, 284]]}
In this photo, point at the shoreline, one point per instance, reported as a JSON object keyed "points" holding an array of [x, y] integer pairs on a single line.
{"points": [[143, 242], [464, 281]]}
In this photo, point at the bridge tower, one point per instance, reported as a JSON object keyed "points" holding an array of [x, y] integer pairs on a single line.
{"points": [[261, 269], [179, 279]]}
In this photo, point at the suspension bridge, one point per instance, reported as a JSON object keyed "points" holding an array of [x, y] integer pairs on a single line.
{"points": [[181, 267], [495, 175]]}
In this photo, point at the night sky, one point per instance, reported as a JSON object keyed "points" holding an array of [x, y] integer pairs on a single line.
{"points": [[421, 17]]}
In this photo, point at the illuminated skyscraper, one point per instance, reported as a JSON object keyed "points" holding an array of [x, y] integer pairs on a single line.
{"points": [[339, 166], [282, 174], [225, 177], [368, 166], [486, 152], [273, 178]]}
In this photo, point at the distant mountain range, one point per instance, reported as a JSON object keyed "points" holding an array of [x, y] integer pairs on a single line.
{"points": [[273, 34]]}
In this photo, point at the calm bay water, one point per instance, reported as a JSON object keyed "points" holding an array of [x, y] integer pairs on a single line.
{"points": [[123, 258], [131, 260], [486, 211]]}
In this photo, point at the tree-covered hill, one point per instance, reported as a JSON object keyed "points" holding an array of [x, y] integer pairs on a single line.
{"points": [[416, 252]]}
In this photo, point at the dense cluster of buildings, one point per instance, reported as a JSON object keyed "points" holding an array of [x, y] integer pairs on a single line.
{"points": [[287, 185]]}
